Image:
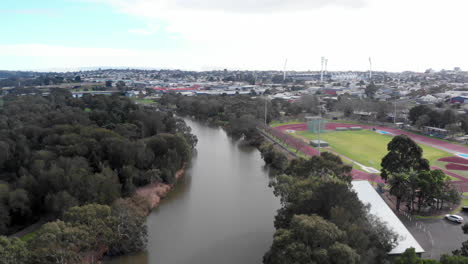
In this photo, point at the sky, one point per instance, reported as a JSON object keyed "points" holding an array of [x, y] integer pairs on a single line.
{"points": [[202, 35]]}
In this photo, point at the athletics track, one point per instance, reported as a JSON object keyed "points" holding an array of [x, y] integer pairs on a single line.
{"points": [[361, 175]]}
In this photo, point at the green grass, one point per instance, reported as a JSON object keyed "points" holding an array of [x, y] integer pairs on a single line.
{"points": [[87, 110], [442, 164], [29, 236], [276, 123], [144, 101], [464, 202], [342, 121], [366, 147], [293, 150]]}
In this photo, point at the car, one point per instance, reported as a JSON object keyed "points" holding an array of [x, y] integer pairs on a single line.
{"points": [[465, 208], [454, 218]]}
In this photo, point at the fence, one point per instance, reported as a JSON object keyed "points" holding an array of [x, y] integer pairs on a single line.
{"points": [[289, 140]]}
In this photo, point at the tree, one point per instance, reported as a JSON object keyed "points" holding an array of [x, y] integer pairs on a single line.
{"points": [[370, 90], [404, 156], [463, 251], [13, 251], [60, 202], [410, 257], [19, 203], [108, 83], [399, 187], [446, 259], [422, 121], [449, 117], [130, 227], [59, 242], [453, 129], [77, 78], [308, 241], [97, 220], [120, 85], [418, 111]]}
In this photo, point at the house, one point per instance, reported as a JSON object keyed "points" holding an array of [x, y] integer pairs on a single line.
{"points": [[459, 100]]}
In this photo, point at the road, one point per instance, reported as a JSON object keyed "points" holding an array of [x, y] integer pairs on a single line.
{"points": [[436, 236]]}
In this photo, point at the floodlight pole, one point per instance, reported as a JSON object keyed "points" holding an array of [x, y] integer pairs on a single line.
{"points": [[266, 110], [319, 128], [319, 144]]}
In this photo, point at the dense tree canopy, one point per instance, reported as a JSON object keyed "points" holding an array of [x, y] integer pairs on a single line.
{"points": [[57, 152], [404, 155], [322, 220]]}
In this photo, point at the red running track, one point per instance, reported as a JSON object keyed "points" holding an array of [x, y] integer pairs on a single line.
{"points": [[447, 146], [361, 175]]}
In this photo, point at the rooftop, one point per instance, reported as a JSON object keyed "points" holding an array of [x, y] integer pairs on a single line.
{"points": [[367, 194]]}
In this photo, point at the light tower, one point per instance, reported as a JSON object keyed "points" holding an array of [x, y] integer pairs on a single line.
{"points": [[284, 69], [326, 65], [322, 68], [370, 69]]}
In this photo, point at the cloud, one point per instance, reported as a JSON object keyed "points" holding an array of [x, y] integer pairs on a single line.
{"points": [[149, 30], [141, 31], [395, 33], [230, 6], [253, 6], [31, 11]]}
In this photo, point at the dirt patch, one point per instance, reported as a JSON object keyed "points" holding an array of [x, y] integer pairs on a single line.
{"points": [[153, 193]]}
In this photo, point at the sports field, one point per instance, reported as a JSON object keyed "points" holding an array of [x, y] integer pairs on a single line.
{"points": [[366, 147]]}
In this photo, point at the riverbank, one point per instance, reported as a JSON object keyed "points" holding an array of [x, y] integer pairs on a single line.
{"points": [[153, 193], [149, 198]]}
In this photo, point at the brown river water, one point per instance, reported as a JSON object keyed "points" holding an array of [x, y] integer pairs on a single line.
{"points": [[220, 212]]}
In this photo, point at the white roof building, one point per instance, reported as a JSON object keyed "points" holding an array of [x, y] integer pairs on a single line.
{"points": [[367, 194]]}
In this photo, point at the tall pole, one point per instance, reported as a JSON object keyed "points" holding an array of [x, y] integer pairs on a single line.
{"points": [[266, 111], [284, 70], [394, 113], [319, 142], [319, 128], [321, 70], [370, 69]]}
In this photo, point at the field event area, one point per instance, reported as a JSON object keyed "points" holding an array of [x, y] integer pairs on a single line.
{"points": [[365, 146], [368, 145]]}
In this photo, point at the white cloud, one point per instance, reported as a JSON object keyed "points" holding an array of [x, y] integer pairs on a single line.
{"points": [[141, 31], [398, 34], [249, 34], [39, 56]]}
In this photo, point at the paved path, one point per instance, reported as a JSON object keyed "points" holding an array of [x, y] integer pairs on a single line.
{"points": [[361, 175]]}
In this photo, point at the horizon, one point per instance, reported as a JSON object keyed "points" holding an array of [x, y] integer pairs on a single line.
{"points": [[242, 35], [105, 68]]}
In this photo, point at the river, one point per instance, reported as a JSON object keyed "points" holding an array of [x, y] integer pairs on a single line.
{"points": [[221, 211]]}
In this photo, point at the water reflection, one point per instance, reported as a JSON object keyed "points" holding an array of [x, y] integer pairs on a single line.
{"points": [[222, 211]]}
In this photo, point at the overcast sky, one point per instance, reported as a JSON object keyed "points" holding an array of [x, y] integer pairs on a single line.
{"points": [[235, 34]]}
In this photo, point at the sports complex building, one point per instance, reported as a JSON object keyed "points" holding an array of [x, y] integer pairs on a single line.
{"points": [[368, 195]]}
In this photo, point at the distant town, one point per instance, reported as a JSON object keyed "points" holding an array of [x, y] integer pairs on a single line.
{"points": [[402, 89]]}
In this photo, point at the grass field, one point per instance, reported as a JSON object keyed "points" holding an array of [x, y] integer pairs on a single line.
{"points": [[366, 147], [144, 101], [29, 236], [276, 123], [442, 164]]}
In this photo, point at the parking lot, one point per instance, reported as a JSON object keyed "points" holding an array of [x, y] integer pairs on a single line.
{"points": [[436, 236]]}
